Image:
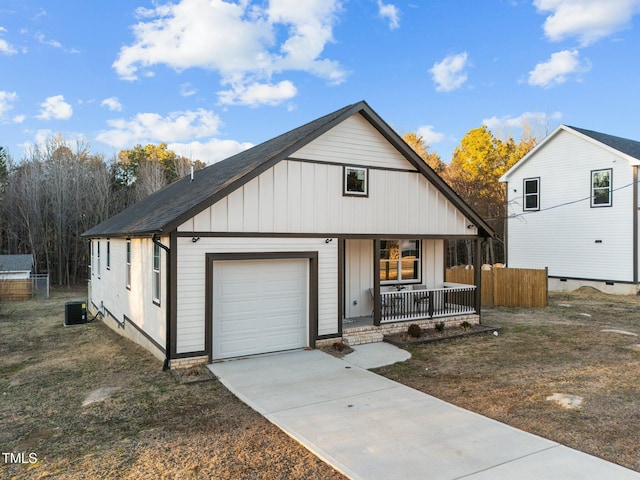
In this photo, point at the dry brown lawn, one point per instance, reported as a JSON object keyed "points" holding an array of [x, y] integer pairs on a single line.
{"points": [[155, 427], [558, 349], [151, 427]]}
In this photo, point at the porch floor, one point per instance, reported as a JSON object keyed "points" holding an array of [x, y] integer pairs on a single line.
{"points": [[357, 322]]}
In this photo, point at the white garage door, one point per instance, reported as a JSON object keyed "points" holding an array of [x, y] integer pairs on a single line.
{"points": [[259, 306]]}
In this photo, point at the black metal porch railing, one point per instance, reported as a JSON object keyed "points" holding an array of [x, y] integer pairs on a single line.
{"points": [[402, 305]]}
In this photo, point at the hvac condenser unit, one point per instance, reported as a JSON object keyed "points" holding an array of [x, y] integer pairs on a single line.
{"points": [[75, 313]]}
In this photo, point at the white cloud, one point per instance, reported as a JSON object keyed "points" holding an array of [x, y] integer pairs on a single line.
{"points": [[186, 90], [52, 43], [537, 122], [449, 74], [112, 103], [42, 136], [429, 136], [556, 70], [18, 119], [390, 12], [241, 41], [55, 108], [5, 47], [209, 152], [587, 20], [6, 101], [152, 127], [258, 94]]}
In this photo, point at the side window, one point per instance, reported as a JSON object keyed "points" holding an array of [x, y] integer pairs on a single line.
{"points": [[128, 266], [108, 254], [98, 260], [156, 274], [601, 188], [531, 194]]}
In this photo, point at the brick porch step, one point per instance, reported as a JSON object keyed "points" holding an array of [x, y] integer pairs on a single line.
{"points": [[360, 338]]}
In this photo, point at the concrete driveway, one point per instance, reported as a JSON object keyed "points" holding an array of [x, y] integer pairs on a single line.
{"points": [[369, 427]]}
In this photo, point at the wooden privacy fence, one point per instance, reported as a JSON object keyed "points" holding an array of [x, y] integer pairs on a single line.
{"points": [[11, 290], [506, 287]]}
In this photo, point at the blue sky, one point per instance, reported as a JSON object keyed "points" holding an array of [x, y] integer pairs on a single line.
{"points": [[212, 77]]}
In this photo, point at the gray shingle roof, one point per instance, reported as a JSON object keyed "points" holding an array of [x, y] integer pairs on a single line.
{"points": [[624, 145], [158, 212], [16, 263], [166, 209]]}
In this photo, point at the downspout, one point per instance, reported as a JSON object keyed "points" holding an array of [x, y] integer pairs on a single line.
{"points": [[635, 225], [167, 348]]}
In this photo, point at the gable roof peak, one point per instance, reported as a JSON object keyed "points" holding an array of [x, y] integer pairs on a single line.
{"points": [[164, 210]]}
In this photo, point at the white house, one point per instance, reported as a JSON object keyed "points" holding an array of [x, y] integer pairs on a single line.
{"points": [[573, 207], [272, 248]]}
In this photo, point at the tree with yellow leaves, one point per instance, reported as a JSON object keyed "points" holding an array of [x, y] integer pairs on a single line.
{"points": [[475, 169], [416, 142]]}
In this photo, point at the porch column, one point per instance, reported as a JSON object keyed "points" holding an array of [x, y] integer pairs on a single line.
{"points": [[477, 274], [377, 314]]}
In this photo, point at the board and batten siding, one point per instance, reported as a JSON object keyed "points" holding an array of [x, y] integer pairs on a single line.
{"points": [[354, 141], [303, 197], [109, 290], [191, 276], [562, 235]]}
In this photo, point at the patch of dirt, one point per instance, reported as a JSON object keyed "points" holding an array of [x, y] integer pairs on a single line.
{"points": [[195, 374], [570, 402], [152, 427], [99, 395], [540, 352], [337, 349]]}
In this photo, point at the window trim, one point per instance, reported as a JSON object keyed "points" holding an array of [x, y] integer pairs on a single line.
{"points": [[128, 265], [609, 188], [350, 193], [156, 281], [400, 280], [525, 194]]}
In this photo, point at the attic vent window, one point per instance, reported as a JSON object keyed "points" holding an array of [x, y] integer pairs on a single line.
{"points": [[356, 181]]}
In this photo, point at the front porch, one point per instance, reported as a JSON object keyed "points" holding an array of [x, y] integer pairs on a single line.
{"points": [[399, 307], [390, 283]]}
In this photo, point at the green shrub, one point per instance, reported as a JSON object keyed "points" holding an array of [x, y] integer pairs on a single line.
{"points": [[465, 326], [414, 330], [439, 327]]}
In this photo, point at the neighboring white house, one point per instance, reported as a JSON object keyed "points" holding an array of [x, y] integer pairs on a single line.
{"points": [[15, 267], [272, 248], [572, 207]]}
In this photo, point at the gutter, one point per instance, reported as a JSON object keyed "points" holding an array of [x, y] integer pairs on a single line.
{"points": [[167, 348]]}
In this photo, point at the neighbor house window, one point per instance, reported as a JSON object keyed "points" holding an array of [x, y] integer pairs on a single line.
{"points": [[399, 261], [156, 273], [531, 194], [93, 259], [128, 266], [356, 181], [98, 260], [108, 254], [601, 188]]}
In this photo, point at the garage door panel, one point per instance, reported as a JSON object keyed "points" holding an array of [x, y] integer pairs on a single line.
{"points": [[265, 314]]}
